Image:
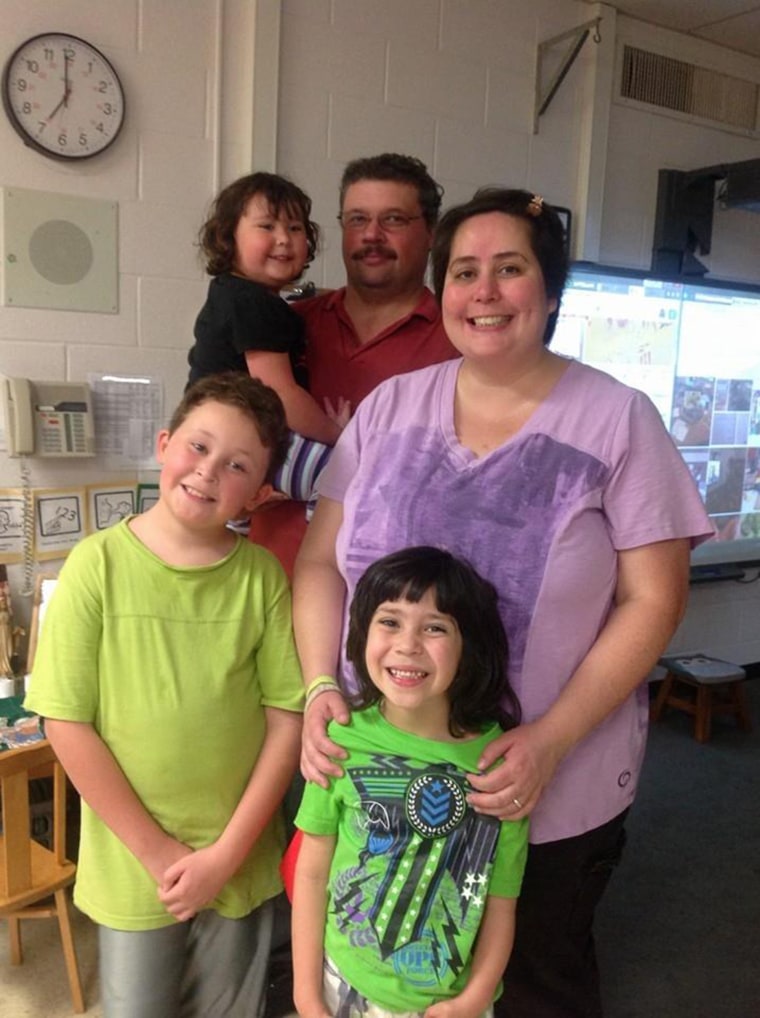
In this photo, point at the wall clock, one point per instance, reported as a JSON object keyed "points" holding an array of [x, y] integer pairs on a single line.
{"points": [[63, 96]]}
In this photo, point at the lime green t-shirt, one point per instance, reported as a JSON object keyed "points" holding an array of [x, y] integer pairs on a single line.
{"points": [[173, 667], [413, 863]]}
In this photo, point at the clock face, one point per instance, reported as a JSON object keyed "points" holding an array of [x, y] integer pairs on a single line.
{"points": [[63, 97]]}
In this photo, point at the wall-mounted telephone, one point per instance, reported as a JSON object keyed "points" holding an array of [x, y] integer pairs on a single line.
{"points": [[47, 418]]}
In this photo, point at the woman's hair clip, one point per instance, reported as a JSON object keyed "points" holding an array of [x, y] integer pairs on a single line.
{"points": [[535, 205]]}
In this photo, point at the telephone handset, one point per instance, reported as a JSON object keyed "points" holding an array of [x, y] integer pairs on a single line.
{"points": [[47, 418]]}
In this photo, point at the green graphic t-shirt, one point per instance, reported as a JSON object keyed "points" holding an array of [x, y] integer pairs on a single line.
{"points": [[413, 864]]}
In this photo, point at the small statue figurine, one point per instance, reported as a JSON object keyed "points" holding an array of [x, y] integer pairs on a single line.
{"points": [[7, 633], [6, 639]]}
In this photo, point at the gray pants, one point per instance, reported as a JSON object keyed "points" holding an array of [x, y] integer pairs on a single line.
{"points": [[208, 967]]}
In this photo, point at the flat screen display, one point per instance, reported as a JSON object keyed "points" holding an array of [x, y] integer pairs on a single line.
{"points": [[694, 347]]}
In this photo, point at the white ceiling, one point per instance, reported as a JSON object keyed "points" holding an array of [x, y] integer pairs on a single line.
{"points": [[731, 23]]}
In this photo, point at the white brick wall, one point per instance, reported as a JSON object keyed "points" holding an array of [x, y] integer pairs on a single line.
{"points": [[450, 81], [162, 172]]}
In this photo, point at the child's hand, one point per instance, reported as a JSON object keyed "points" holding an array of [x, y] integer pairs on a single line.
{"points": [[315, 1010], [455, 1007], [167, 855], [191, 883], [340, 413]]}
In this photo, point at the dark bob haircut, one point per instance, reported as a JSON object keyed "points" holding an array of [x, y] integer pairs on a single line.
{"points": [[480, 693], [547, 238], [251, 397], [402, 170], [217, 235]]}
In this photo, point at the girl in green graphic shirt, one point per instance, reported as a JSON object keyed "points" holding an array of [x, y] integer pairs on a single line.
{"points": [[405, 897]]}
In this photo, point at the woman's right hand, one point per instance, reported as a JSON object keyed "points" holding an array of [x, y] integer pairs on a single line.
{"points": [[515, 768], [318, 752]]}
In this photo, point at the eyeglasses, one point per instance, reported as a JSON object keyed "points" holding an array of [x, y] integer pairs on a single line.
{"points": [[389, 222]]}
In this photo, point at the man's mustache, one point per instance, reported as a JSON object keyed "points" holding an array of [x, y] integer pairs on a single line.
{"points": [[371, 249]]}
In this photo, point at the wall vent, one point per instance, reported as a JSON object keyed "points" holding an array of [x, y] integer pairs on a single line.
{"points": [[696, 91]]}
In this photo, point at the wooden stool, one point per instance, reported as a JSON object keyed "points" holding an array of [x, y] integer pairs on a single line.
{"points": [[708, 686]]}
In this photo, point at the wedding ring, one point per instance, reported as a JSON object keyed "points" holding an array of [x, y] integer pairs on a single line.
{"points": [[517, 803]]}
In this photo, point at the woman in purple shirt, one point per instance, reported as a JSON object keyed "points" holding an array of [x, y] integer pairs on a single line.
{"points": [[563, 488]]}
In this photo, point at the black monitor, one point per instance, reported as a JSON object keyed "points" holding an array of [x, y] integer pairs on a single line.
{"points": [[694, 347]]}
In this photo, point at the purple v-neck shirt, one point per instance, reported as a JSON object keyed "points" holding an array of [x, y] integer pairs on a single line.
{"points": [[591, 473]]}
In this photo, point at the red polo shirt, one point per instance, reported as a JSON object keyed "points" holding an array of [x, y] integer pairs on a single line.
{"points": [[339, 365]]}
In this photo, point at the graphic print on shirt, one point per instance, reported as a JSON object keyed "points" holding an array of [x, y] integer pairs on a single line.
{"points": [[425, 859], [506, 530]]}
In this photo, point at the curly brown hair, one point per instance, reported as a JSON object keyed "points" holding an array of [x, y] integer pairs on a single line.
{"points": [[216, 237]]}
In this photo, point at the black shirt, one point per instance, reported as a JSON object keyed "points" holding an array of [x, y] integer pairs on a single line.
{"points": [[241, 315]]}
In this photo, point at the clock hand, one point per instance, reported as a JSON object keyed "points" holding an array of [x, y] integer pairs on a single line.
{"points": [[53, 112], [67, 87]]}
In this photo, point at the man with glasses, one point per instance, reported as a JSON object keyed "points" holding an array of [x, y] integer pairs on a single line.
{"points": [[384, 321]]}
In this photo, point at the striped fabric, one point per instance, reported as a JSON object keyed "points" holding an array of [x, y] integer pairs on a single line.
{"points": [[303, 463]]}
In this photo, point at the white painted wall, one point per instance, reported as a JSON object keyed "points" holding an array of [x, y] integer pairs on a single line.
{"points": [[451, 81], [641, 143], [161, 172]]}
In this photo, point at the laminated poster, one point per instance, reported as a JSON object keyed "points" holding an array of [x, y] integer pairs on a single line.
{"points": [[59, 521]]}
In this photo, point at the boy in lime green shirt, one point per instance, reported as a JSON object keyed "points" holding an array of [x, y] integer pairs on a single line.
{"points": [[168, 679]]}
